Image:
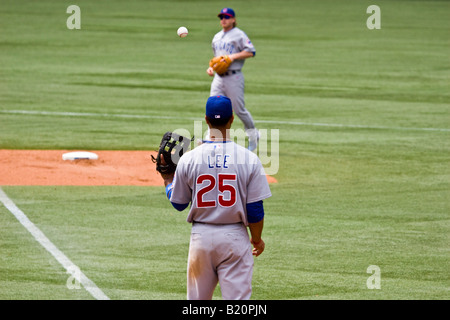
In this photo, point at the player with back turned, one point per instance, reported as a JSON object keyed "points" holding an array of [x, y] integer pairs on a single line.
{"points": [[225, 184], [231, 46]]}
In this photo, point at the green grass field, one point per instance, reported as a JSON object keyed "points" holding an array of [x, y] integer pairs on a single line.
{"points": [[364, 143]]}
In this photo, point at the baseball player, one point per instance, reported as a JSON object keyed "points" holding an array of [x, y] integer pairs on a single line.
{"points": [[234, 46], [225, 185]]}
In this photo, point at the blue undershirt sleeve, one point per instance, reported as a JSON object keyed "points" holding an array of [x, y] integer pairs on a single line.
{"points": [[255, 211], [179, 207]]}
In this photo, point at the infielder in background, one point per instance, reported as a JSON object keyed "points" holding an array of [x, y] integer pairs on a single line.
{"points": [[234, 45], [226, 185]]}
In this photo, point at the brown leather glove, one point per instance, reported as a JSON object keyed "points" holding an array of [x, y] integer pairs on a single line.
{"points": [[220, 64]]}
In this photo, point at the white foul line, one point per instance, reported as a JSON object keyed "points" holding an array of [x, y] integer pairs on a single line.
{"points": [[280, 122], [50, 247]]}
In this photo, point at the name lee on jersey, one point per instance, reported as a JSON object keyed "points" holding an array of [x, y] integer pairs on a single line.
{"points": [[218, 161]]}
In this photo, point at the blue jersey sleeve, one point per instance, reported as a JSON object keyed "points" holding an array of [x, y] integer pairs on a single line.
{"points": [[179, 207], [255, 211]]}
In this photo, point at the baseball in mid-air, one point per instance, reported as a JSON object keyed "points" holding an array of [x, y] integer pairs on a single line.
{"points": [[182, 32]]}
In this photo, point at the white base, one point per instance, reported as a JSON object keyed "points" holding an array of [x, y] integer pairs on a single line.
{"points": [[77, 155]]}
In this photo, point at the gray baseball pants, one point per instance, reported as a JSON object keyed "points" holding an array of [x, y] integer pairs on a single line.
{"points": [[219, 253], [232, 86]]}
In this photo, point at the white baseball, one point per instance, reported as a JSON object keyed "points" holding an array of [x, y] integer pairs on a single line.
{"points": [[182, 32]]}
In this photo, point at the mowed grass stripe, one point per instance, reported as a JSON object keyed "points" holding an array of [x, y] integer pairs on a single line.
{"points": [[276, 122]]}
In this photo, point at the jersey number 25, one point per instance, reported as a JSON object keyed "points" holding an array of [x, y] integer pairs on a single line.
{"points": [[222, 187]]}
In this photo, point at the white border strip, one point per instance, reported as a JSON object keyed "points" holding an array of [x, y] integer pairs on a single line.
{"points": [[137, 116], [50, 247]]}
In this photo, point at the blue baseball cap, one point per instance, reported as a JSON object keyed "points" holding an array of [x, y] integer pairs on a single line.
{"points": [[226, 12], [219, 107]]}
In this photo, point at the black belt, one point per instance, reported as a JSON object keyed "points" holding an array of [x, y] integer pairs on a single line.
{"points": [[229, 73]]}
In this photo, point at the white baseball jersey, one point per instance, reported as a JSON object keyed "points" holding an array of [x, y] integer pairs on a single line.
{"points": [[233, 41], [219, 179]]}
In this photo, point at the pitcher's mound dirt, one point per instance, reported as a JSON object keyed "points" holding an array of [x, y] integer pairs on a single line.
{"points": [[46, 167]]}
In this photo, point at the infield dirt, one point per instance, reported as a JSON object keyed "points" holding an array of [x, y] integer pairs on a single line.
{"points": [[46, 167]]}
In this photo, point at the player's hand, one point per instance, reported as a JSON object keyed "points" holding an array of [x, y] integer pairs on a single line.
{"points": [[210, 71], [258, 247], [168, 177]]}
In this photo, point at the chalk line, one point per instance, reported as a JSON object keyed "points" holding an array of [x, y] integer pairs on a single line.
{"points": [[279, 122], [40, 237]]}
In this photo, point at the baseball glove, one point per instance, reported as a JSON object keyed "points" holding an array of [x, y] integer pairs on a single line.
{"points": [[171, 148], [220, 64]]}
